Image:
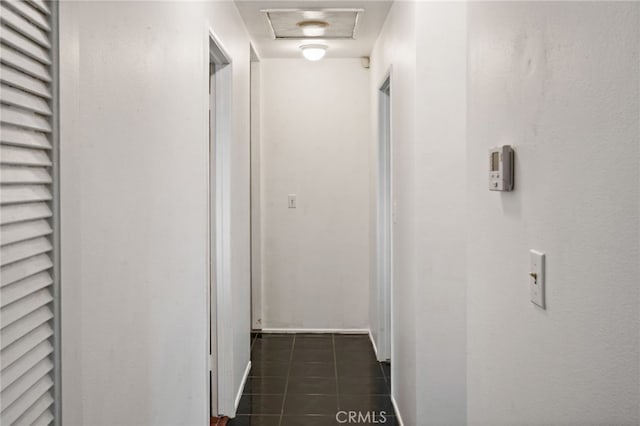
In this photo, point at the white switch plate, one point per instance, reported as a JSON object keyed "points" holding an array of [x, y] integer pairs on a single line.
{"points": [[292, 201], [536, 277]]}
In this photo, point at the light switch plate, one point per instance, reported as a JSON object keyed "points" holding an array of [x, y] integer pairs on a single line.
{"points": [[537, 278], [292, 201]]}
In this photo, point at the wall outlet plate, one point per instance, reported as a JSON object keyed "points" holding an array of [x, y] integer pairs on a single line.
{"points": [[537, 278]]}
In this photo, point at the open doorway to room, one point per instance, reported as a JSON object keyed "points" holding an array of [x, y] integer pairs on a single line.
{"points": [[220, 341]]}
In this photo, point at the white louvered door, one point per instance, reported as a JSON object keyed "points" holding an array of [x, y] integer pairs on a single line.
{"points": [[27, 209]]}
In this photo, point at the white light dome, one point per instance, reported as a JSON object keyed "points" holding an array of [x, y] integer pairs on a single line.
{"points": [[313, 52]]}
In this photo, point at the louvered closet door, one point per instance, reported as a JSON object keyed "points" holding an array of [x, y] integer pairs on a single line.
{"points": [[26, 214]]}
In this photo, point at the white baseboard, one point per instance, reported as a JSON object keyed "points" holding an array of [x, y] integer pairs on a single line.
{"points": [[395, 408], [241, 388], [373, 342], [316, 330]]}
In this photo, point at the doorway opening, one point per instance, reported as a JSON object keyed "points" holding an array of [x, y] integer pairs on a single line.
{"points": [[222, 400], [384, 224]]}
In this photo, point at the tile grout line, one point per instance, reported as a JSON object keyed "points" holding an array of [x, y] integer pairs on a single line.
{"points": [[286, 384]]}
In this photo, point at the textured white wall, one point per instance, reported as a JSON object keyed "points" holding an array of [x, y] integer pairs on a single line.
{"points": [[425, 44], [134, 153], [441, 211], [315, 133], [396, 47], [560, 82], [543, 77]]}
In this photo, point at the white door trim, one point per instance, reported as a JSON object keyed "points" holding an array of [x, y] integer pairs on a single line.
{"points": [[256, 191], [384, 222], [219, 192]]}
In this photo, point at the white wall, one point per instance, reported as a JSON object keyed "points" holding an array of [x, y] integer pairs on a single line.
{"points": [[560, 82], [396, 47], [315, 119], [545, 78], [134, 152], [425, 44], [441, 211]]}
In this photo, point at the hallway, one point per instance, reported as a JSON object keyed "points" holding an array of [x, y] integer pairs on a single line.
{"points": [[314, 380], [319, 212]]}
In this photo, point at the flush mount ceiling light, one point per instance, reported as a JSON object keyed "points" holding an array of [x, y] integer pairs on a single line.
{"points": [[313, 28], [313, 52]]}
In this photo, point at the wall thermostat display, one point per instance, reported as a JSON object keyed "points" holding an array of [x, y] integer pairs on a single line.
{"points": [[501, 168]]}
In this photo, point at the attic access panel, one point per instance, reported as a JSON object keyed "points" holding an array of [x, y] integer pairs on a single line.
{"points": [[328, 24]]}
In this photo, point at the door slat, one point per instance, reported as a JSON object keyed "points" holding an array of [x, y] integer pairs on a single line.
{"points": [[21, 270], [15, 213], [23, 250], [11, 234], [26, 175], [24, 45], [24, 119], [17, 330], [38, 414], [30, 13], [18, 309], [21, 99], [20, 289], [23, 26], [24, 194], [24, 156], [14, 371], [23, 393], [24, 344], [16, 136], [24, 63], [41, 6], [25, 82]]}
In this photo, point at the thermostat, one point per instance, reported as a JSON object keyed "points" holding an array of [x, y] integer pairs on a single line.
{"points": [[501, 168]]}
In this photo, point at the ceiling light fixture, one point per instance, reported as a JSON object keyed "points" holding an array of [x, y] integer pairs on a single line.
{"points": [[313, 28], [313, 52]]}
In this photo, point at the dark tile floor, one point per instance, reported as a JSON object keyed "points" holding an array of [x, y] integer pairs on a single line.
{"points": [[307, 379]]}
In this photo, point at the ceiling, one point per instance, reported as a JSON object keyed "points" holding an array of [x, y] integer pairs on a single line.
{"points": [[370, 23]]}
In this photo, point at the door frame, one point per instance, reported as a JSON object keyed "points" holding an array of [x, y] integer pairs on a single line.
{"points": [[220, 337], [256, 191], [56, 220], [384, 222]]}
